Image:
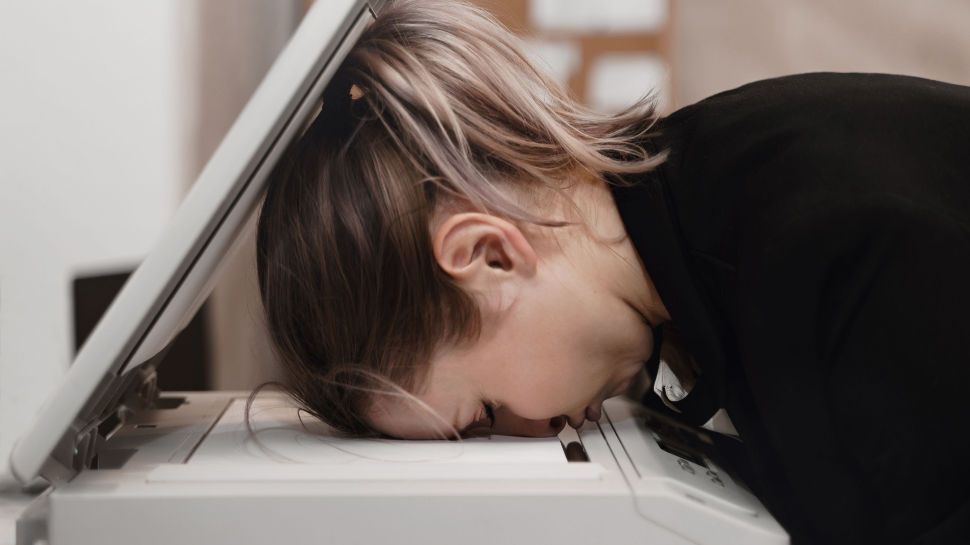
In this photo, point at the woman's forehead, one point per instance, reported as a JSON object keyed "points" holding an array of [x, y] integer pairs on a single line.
{"points": [[438, 403], [432, 413]]}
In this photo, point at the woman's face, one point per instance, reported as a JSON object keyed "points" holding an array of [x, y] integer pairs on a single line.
{"points": [[564, 328], [562, 349]]}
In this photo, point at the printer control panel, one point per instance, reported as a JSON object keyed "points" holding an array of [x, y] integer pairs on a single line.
{"points": [[666, 456]]}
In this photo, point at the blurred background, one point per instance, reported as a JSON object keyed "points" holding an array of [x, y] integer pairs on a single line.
{"points": [[110, 109]]}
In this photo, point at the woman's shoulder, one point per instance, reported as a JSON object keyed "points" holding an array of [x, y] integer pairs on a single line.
{"points": [[836, 89], [750, 160], [782, 145], [839, 104]]}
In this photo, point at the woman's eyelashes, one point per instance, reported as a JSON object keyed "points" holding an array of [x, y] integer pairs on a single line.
{"points": [[489, 414], [484, 421]]}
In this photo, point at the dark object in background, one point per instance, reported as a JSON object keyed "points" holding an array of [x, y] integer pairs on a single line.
{"points": [[185, 367]]}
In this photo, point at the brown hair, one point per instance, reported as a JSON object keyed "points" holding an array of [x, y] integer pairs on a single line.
{"points": [[451, 110]]}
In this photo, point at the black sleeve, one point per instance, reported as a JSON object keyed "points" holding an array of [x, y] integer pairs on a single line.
{"points": [[855, 339]]}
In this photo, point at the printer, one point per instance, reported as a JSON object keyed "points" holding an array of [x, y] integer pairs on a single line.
{"points": [[126, 463]]}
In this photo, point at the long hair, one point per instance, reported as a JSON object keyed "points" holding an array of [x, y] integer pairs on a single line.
{"points": [[436, 103]]}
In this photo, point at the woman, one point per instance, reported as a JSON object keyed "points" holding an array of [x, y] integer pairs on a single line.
{"points": [[455, 245]]}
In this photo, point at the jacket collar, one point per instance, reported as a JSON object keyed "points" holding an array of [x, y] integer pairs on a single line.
{"points": [[649, 217]]}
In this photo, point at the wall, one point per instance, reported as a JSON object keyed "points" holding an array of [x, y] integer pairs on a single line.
{"points": [[92, 164], [720, 45], [109, 111], [607, 53]]}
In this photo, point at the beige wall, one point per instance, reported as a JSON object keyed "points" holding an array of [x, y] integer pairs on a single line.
{"points": [[722, 44], [628, 32]]}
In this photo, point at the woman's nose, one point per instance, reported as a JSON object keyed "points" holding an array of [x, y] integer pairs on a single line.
{"points": [[508, 423]]}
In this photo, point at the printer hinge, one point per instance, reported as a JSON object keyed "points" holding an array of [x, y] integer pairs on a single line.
{"points": [[140, 392]]}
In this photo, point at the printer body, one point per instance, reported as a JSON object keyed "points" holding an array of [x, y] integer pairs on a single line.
{"points": [[637, 483], [125, 463]]}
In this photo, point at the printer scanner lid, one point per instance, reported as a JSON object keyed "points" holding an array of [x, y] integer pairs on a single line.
{"points": [[113, 369]]}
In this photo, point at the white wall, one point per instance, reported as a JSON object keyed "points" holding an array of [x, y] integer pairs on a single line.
{"points": [[94, 157]]}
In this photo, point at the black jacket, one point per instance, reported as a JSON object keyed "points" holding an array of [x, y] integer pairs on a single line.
{"points": [[810, 237]]}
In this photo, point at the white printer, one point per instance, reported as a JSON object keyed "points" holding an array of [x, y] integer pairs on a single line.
{"points": [[129, 464]]}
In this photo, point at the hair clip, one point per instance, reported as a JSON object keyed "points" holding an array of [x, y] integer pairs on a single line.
{"points": [[340, 108], [355, 92]]}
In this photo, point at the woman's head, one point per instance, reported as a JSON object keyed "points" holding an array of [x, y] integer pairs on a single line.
{"points": [[405, 248]]}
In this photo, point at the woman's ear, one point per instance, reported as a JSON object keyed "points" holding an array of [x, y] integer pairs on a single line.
{"points": [[481, 252]]}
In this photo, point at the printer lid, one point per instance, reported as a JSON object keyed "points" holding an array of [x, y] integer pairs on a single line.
{"points": [[114, 368]]}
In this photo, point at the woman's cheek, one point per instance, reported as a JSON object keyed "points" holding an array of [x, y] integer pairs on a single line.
{"points": [[534, 400]]}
